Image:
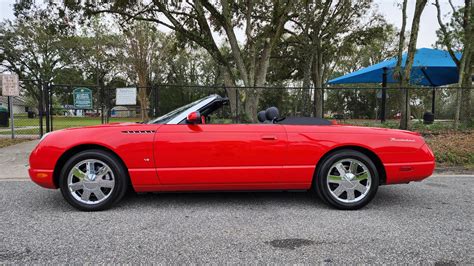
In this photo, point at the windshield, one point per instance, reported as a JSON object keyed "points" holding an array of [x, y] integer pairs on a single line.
{"points": [[169, 116]]}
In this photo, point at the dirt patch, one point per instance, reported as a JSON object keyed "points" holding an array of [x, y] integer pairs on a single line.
{"points": [[454, 170], [453, 149], [4, 142]]}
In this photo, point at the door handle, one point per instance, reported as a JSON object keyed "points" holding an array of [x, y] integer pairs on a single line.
{"points": [[268, 137]]}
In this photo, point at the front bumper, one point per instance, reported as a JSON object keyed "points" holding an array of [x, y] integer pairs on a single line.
{"points": [[42, 177]]}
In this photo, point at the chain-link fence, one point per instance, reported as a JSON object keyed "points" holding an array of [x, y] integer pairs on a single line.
{"points": [[17, 118], [429, 107], [69, 106]]}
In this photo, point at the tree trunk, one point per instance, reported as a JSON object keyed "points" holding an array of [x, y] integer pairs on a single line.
{"points": [[251, 104], [464, 65], [466, 80], [405, 108], [458, 108], [405, 111], [232, 93], [318, 85], [306, 93], [143, 98], [398, 73]]}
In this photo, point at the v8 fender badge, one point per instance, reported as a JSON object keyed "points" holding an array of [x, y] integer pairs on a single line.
{"points": [[402, 140]]}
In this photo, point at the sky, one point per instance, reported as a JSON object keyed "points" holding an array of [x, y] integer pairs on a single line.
{"points": [[389, 8], [428, 23]]}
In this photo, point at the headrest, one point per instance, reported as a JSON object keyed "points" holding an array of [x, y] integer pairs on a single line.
{"points": [[261, 116], [272, 113]]}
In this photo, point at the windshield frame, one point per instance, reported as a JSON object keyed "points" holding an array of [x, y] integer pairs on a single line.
{"points": [[179, 114]]}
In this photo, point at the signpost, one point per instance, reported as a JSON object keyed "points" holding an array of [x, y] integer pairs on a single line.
{"points": [[126, 96], [10, 88], [82, 98]]}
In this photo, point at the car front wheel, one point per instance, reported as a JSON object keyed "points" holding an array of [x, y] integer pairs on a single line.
{"points": [[93, 180], [347, 180]]}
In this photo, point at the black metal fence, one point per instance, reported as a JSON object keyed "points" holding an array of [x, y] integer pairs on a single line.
{"points": [[351, 105], [17, 118]]}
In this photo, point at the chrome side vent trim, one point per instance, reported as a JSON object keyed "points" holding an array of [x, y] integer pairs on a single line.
{"points": [[138, 131]]}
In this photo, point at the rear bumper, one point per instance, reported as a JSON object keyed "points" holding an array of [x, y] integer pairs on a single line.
{"points": [[406, 172], [42, 177]]}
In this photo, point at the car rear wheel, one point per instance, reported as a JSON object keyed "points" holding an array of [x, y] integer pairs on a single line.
{"points": [[347, 180], [93, 180]]}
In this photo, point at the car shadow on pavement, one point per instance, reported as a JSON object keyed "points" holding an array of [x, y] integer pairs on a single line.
{"points": [[386, 197], [220, 199]]}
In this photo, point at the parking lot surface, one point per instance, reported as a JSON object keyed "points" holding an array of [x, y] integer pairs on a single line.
{"points": [[427, 222]]}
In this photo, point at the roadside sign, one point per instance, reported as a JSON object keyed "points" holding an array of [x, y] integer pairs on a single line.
{"points": [[10, 86], [82, 98], [126, 96]]}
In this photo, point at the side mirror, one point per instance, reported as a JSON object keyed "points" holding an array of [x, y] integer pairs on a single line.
{"points": [[193, 118]]}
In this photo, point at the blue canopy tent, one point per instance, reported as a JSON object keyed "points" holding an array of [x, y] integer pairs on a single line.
{"points": [[431, 67]]}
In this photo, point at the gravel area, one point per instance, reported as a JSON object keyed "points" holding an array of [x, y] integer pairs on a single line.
{"points": [[427, 222]]}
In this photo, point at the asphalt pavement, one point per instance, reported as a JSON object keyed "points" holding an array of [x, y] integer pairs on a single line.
{"points": [[426, 222]]}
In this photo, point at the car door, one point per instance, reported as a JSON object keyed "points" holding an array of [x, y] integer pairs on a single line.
{"points": [[219, 153]]}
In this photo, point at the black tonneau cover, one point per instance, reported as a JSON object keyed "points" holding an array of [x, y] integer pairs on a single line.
{"points": [[304, 121]]}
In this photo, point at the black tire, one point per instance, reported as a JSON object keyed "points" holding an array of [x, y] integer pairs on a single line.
{"points": [[321, 186], [120, 179]]}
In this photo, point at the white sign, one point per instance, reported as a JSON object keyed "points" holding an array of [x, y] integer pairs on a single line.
{"points": [[10, 85], [126, 96]]}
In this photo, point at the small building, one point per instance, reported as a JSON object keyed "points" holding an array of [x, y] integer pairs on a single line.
{"points": [[122, 111], [19, 105]]}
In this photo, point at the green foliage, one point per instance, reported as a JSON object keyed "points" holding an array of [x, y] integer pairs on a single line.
{"points": [[75, 43], [455, 31], [35, 46]]}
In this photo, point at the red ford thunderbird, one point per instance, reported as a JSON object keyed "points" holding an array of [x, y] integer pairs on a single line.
{"points": [[190, 149]]}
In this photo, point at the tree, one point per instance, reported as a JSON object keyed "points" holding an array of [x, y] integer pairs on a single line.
{"points": [[97, 52], [262, 21], [405, 77], [141, 49], [181, 66], [459, 35], [398, 73], [323, 30], [36, 47], [353, 55]]}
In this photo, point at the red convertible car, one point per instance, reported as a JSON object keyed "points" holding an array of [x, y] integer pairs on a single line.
{"points": [[186, 150]]}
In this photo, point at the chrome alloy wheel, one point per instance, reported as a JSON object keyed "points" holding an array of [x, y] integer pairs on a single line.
{"points": [[349, 180], [91, 181]]}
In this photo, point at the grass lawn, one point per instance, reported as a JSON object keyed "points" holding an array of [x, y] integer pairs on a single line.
{"points": [[4, 142], [60, 122], [65, 122], [30, 126]]}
